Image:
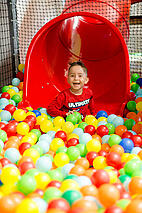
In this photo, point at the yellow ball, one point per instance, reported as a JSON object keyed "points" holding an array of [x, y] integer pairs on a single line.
{"points": [[102, 119], [29, 108], [44, 115], [69, 185], [56, 128], [124, 157], [133, 156], [42, 180], [99, 162], [9, 188], [33, 136], [39, 120], [27, 139], [19, 115], [91, 120], [93, 145], [20, 93], [56, 143], [46, 126], [33, 153], [73, 135], [27, 205], [61, 159], [112, 176], [10, 175], [21, 67], [22, 128], [139, 106], [68, 127], [11, 92], [31, 113], [58, 121]]}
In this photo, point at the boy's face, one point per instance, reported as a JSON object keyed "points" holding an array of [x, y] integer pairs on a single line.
{"points": [[77, 78]]}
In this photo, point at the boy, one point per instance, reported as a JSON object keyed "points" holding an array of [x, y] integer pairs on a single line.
{"points": [[76, 98]]}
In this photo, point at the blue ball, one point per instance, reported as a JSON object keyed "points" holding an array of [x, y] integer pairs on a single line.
{"points": [[5, 115], [101, 113], [51, 133], [139, 82], [37, 112], [105, 138], [15, 81], [15, 89], [136, 150], [43, 164], [46, 137], [12, 154], [44, 145], [102, 123], [111, 117], [84, 138], [78, 131], [118, 121], [127, 145]]}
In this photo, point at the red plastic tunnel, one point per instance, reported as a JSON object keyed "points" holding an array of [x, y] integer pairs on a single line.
{"points": [[96, 40]]}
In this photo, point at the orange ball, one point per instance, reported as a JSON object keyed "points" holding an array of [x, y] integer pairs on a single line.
{"points": [[85, 204], [119, 130], [135, 206], [135, 185], [25, 159], [105, 147], [131, 115], [137, 128], [90, 190], [77, 170], [117, 148], [20, 86], [82, 162], [140, 114], [108, 194], [14, 139], [140, 154], [11, 144], [97, 137], [7, 205], [55, 211], [89, 172], [139, 99]]}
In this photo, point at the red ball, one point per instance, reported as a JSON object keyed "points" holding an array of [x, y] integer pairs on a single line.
{"points": [[31, 118], [100, 177], [91, 156], [23, 147], [127, 135], [62, 135], [4, 161], [25, 166], [102, 130], [37, 127], [72, 142], [137, 140], [54, 183], [20, 75], [113, 159], [132, 96], [10, 128], [102, 153], [59, 203], [2, 125], [125, 195], [90, 129], [39, 191], [5, 95], [11, 108], [113, 209]]}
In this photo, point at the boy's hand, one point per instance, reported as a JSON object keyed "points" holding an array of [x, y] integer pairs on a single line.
{"points": [[69, 113]]}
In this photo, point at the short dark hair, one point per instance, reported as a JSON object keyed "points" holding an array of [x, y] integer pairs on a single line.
{"points": [[78, 63]]}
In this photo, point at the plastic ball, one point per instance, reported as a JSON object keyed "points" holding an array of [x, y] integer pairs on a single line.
{"points": [[114, 139], [12, 154], [10, 108], [78, 131], [134, 77], [90, 129], [22, 128], [139, 106], [78, 116], [137, 140], [100, 177], [135, 87], [46, 126], [82, 125], [56, 143], [59, 203], [93, 145], [19, 115], [42, 180], [118, 121], [62, 135], [111, 128], [3, 135], [86, 204], [61, 159], [72, 142], [43, 164], [84, 138], [91, 156], [135, 206], [10, 175], [58, 121], [16, 98], [71, 196], [5, 89], [52, 193], [27, 205], [111, 117], [113, 159], [108, 194], [82, 149], [117, 149], [131, 166], [5, 95], [71, 118], [102, 130], [68, 127], [131, 105], [69, 184], [119, 130], [21, 67], [73, 153], [99, 162], [77, 170], [101, 114], [33, 153], [127, 144]]}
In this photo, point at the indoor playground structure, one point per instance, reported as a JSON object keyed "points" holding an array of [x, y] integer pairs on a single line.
{"points": [[70, 165]]}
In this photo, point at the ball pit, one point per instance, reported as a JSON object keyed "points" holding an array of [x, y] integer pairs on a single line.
{"points": [[70, 165]]}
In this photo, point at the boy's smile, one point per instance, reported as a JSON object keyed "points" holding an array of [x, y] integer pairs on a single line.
{"points": [[77, 78]]}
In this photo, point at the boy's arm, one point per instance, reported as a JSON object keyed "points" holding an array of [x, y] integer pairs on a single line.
{"points": [[92, 106], [54, 108]]}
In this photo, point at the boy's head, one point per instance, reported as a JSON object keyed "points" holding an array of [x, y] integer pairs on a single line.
{"points": [[77, 76]]}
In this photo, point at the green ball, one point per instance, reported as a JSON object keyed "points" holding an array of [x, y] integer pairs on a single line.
{"points": [[134, 77], [16, 98], [122, 171], [72, 118], [32, 172], [12, 102], [111, 128], [71, 196], [82, 148], [114, 139], [131, 105], [123, 203], [123, 178], [82, 125], [3, 135], [72, 177], [27, 184], [50, 156], [56, 174], [52, 193], [132, 166], [73, 153], [36, 132], [61, 149], [135, 87], [5, 89], [129, 123], [38, 148], [78, 116], [137, 173]]}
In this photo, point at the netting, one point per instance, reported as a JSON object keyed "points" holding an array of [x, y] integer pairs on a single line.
{"points": [[33, 14]]}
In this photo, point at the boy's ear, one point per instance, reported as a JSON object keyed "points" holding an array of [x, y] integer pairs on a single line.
{"points": [[86, 81]]}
